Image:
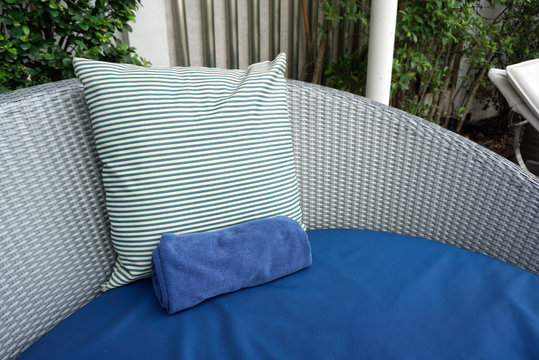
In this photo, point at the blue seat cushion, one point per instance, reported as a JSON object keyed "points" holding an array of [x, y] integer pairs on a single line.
{"points": [[368, 295]]}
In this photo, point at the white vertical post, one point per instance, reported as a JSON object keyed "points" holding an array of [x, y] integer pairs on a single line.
{"points": [[381, 42]]}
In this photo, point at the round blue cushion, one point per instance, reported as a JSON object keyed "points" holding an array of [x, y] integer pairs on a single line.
{"points": [[368, 295]]}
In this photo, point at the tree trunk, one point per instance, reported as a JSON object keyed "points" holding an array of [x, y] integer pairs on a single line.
{"points": [[319, 62], [442, 100], [471, 94]]}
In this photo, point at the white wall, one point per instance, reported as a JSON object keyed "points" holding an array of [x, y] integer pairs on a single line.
{"points": [[153, 33]]}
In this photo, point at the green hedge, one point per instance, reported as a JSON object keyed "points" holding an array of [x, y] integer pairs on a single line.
{"points": [[39, 37], [434, 39]]}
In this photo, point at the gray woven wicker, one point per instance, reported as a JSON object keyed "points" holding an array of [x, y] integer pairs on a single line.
{"points": [[360, 165]]}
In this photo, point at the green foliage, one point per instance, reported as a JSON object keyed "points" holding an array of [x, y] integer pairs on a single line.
{"points": [[39, 37], [335, 11], [519, 36], [443, 50], [518, 41], [348, 72], [336, 15], [431, 40]]}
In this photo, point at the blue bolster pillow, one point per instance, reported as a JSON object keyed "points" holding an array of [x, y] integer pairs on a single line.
{"points": [[187, 269]]}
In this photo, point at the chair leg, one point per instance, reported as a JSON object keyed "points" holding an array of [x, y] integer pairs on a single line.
{"points": [[516, 145]]}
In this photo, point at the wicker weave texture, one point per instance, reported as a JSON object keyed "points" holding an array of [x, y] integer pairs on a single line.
{"points": [[361, 164], [54, 246]]}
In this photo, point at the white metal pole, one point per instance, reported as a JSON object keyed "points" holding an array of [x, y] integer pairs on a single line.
{"points": [[381, 42]]}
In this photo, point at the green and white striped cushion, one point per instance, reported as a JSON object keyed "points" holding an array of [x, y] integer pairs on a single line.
{"points": [[187, 150]]}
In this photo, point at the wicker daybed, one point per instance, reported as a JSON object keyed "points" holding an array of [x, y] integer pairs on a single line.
{"points": [[360, 165]]}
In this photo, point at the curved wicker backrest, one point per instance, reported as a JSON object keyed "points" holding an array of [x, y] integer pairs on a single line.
{"points": [[360, 164], [54, 248]]}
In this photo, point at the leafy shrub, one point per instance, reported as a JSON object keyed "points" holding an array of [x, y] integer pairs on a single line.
{"points": [[518, 42], [443, 50], [39, 37]]}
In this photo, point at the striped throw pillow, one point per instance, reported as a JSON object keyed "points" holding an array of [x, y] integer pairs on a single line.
{"points": [[187, 150]]}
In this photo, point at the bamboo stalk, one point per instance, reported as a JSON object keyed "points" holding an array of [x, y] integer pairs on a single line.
{"points": [[307, 31]]}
